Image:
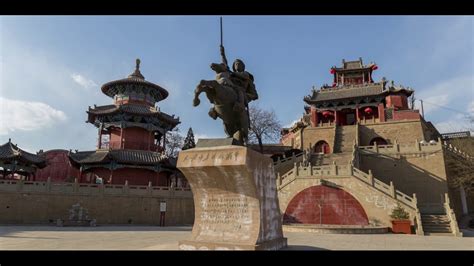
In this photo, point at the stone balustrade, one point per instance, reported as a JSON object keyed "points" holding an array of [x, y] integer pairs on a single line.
{"points": [[450, 148], [92, 189], [451, 216], [343, 171], [417, 147]]}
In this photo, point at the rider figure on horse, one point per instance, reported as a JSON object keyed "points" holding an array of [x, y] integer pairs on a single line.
{"points": [[241, 81]]}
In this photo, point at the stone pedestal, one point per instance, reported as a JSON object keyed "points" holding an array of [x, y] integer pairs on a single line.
{"points": [[235, 199]]}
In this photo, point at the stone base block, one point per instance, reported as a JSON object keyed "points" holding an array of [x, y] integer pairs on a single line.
{"points": [[274, 244]]}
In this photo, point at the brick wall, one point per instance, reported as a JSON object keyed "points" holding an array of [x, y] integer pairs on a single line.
{"points": [[406, 132], [109, 206], [311, 135], [423, 174]]}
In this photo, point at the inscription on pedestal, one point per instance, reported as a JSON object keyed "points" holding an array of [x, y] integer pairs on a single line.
{"points": [[228, 212]]}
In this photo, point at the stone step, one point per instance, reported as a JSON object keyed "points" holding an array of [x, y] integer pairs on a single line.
{"points": [[438, 234], [435, 220], [436, 225], [437, 231]]}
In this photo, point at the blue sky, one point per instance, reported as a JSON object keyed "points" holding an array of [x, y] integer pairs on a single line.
{"points": [[52, 67]]}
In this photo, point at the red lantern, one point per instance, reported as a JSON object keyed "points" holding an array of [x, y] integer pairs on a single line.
{"points": [[334, 84], [375, 67], [368, 110], [333, 71], [327, 114]]}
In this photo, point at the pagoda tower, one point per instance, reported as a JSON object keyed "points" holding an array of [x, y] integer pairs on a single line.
{"points": [[131, 135]]}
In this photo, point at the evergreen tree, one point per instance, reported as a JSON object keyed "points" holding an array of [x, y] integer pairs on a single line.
{"points": [[189, 141]]}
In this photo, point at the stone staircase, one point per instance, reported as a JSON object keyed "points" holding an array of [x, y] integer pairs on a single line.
{"points": [[328, 159], [345, 137], [436, 224]]}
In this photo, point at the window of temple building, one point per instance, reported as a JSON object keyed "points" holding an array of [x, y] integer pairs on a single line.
{"points": [[321, 147]]}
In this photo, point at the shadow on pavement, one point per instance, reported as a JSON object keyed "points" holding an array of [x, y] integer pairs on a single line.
{"points": [[297, 247]]}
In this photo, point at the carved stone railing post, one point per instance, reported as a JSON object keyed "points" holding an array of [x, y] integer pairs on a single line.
{"points": [[19, 185], [310, 169], [376, 147], [371, 178], [334, 168], [149, 190], [48, 184], [279, 178], [351, 169], [126, 189], [418, 222], [76, 185], [296, 169], [392, 190], [417, 146]]}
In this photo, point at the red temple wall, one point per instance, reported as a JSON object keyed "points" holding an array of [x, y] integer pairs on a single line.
{"points": [[337, 207], [134, 138], [406, 115], [397, 101], [58, 167], [134, 176]]}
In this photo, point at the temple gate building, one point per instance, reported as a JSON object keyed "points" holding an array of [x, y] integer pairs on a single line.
{"points": [[16, 163], [363, 151]]}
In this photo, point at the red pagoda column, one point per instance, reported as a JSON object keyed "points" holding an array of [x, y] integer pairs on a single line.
{"points": [[335, 117], [381, 112]]}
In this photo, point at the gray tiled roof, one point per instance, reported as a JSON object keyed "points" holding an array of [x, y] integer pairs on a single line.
{"points": [[133, 80], [345, 92], [132, 109], [120, 156], [9, 151]]}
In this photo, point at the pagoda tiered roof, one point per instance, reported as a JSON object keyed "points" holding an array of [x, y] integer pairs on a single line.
{"points": [[378, 89], [133, 109], [113, 88], [123, 156], [354, 65], [10, 152]]}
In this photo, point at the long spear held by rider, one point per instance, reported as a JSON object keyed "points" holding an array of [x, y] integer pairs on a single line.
{"points": [[224, 60]]}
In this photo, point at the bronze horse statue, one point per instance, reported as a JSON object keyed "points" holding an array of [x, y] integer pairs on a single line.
{"points": [[224, 97]]}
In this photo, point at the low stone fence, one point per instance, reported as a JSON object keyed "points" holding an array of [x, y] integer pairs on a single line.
{"points": [[417, 147], [92, 189], [26, 202]]}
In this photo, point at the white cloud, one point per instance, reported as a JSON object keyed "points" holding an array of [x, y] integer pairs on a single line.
{"points": [[84, 82], [204, 136], [27, 116], [444, 93], [470, 108]]}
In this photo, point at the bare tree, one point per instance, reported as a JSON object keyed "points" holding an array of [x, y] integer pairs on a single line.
{"points": [[460, 168], [264, 126], [174, 142]]}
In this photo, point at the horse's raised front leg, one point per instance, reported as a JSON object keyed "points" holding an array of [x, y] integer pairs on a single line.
{"points": [[197, 91]]}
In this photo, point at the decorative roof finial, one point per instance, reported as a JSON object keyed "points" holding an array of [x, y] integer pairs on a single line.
{"points": [[136, 73], [9, 140]]}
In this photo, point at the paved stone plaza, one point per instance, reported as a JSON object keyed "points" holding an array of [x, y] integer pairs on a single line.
{"points": [[166, 238]]}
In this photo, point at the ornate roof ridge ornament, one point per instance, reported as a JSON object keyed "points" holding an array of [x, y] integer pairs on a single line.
{"points": [[136, 73]]}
